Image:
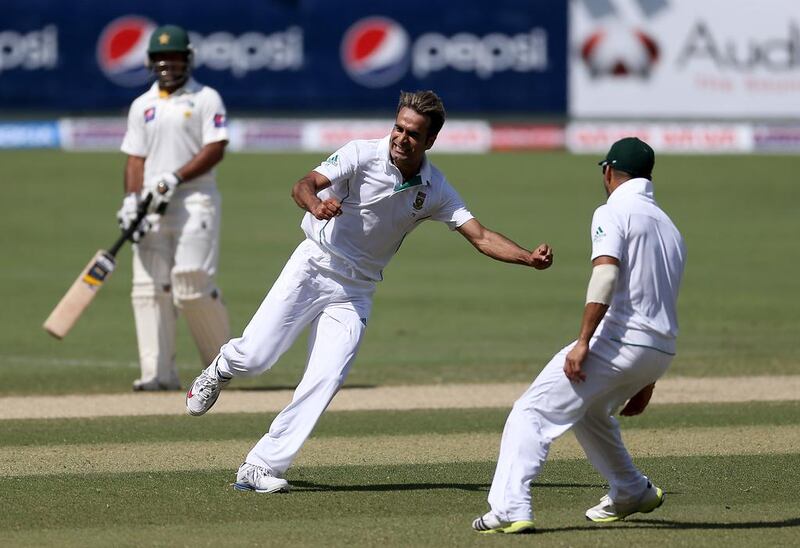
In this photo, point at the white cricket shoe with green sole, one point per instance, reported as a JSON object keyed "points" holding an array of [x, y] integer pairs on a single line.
{"points": [[489, 523], [608, 511]]}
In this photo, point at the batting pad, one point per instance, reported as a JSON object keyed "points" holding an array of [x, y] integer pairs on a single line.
{"points": [[208, 321], [156, 318], [200, 302]]}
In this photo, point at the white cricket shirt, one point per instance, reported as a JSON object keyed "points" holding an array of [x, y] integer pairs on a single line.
{"points": [[378, 207], [170, 130], [652, 254]]}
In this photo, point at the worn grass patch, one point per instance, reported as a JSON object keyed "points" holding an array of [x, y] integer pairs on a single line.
{"points": [[251, 426], [381, 450]]}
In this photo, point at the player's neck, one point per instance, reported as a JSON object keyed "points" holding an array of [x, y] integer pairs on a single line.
{"points": [[166, 92], [408, 171]]}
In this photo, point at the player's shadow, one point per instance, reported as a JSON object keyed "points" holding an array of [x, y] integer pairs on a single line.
{"points": [[314, 486], [639, 523], [276, 388]]}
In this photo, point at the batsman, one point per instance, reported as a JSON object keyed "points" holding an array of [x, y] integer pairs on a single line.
{"points": [[176, 135]]}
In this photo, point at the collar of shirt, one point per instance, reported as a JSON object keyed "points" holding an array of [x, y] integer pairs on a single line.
{"points": [[423, 177], [639, 185], [190, 86]]}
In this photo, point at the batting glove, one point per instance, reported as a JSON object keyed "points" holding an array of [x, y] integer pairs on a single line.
{"points": [[165, 188], [127, 215]]}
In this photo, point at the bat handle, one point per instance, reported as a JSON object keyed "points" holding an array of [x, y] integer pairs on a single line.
{"points": [[141, 212], [162, 189]]}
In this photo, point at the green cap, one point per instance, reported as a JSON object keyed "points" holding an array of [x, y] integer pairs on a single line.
{"points": [[631, 155], [168, 38]]}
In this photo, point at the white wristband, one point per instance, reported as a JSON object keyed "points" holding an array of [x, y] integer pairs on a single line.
{"points": [[601, 284]]}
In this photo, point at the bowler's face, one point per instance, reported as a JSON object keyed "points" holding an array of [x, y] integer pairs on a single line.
{"points": [[409, 138]]}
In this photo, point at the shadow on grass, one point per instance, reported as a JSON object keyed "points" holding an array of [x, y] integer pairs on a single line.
{"points": [[311, 486], [275, 388], [678, 525]]}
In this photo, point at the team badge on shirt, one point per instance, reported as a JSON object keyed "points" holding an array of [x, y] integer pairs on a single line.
{"points": [[220, 121], [149, 114], [419, 200]]}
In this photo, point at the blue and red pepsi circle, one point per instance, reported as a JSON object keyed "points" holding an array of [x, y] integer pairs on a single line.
{"points": [[122, 50], [375, 52]]}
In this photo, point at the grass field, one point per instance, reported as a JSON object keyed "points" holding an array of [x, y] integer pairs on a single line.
{"points": [[443, 314]]}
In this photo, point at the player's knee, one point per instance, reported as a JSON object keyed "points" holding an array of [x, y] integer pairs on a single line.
{"points": [[191, 284], [333, 379], [247, 357]]}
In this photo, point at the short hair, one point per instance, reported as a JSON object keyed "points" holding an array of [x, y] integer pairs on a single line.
{"points": [[426, 103]]}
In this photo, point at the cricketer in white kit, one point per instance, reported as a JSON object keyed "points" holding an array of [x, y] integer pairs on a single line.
{"points": [[176, 134], [361, 203], [626, 342]]}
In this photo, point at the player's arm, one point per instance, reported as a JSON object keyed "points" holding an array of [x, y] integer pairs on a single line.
{"points": [[202, 162], [133, 182], [304, 193], [210, 155], [498, 247], [134, 174], [638, 402], [605, 270]]}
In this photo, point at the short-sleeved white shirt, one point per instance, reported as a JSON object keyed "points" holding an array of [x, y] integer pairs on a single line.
{"points": [[652, 254], [170, 130], [378, 207]]}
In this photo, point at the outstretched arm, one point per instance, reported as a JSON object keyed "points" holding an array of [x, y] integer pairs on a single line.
{"points": [[304, 193], [598, 298], [498, 247]]}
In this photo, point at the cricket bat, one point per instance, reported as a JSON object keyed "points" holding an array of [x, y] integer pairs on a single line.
{"points": [[91, 279]]}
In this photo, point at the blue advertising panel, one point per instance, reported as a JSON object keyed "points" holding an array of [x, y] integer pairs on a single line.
{"points": [[292, 55]]}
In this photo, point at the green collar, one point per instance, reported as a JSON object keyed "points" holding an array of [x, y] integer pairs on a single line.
{"points": [[416, 180]]}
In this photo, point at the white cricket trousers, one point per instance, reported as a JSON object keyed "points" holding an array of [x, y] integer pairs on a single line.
{"points": [[313, 289], [552, 405], [184, 241]]}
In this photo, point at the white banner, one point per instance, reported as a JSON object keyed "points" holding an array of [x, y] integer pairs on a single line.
{"points": [[665, 138], [684, 58], [456, 135]]}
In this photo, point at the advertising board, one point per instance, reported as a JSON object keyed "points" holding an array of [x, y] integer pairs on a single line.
{"points": [[732, 59], [305, 56]]}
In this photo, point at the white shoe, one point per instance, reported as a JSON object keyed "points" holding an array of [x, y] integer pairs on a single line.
{"points": [[259, 479], [490, 523], [203, 393], [608, 510]]}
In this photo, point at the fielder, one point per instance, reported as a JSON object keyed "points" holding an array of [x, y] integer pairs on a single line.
{"points": [[626, 342], [360, 204], [176, 135]]}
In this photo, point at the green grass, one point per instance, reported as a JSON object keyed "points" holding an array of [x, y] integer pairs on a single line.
{"points": [[444, 313], [711, 501]]}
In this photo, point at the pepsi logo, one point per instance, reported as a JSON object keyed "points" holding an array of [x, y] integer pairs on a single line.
{"points": [[122, 50], [375, 52], [620, 53]]}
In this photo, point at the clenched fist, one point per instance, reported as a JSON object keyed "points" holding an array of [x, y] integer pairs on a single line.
{"points": [[542, 257], [327, 209]]}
